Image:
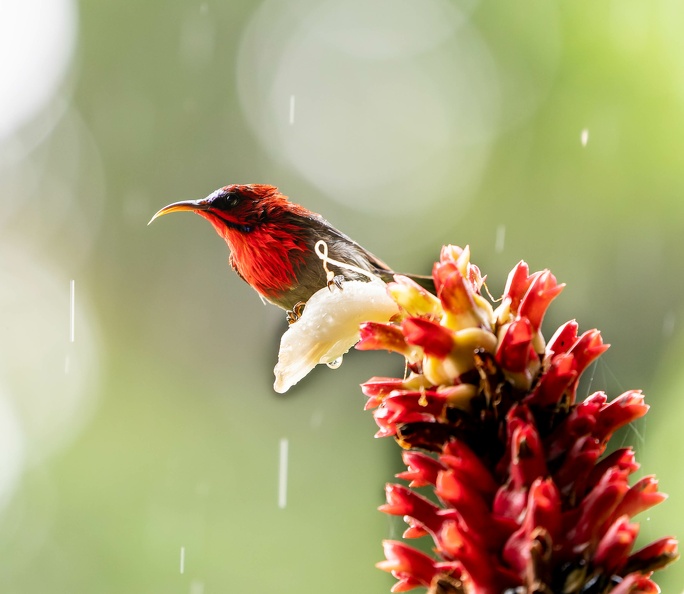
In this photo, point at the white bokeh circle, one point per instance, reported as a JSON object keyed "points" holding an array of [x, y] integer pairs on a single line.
{"points": [[373, 103], [37, 43], [48, 382]]}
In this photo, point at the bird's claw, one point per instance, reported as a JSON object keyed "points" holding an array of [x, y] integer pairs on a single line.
{"points": [[296, 312], [336, 282]]}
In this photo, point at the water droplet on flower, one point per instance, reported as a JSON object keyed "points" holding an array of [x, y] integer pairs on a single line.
{"points": [[336, 363]]}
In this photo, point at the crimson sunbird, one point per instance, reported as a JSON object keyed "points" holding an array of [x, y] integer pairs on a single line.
{"points": [[272, 244]]}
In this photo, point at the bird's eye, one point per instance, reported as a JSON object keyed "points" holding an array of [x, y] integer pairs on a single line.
{"points": [[226, 200]]}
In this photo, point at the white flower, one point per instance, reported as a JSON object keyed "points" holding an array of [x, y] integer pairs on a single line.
{"points": [[329, 327]]}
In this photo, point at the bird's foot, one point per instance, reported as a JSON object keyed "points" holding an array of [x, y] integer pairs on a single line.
{"points": [[296, 312], [336, 281]]}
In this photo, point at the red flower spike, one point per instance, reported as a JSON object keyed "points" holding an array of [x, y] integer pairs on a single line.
{"points": [[422, 469], [436, 340], [538, 297], [612, 550], [527, 500], [376, 336]]}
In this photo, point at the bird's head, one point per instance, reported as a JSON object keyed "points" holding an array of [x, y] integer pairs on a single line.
{"points": [[234, 208]]}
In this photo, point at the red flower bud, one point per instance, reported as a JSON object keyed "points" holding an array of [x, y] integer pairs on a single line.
{"points": [[377, 336], [422, 469], [460, 458], [635, 584], [411, 567], [573, 474], [515, 350], [613, 548], [596, 509], [623, 410], [517, 284], [622, 459], [586, 349], [640, 497], [554, 382], [563, 339], [401, 501], [543, 511], [435, 340], [542, 290], [654, 556]]}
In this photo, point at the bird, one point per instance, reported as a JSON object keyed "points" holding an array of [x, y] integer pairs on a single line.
{"points": [[272, 243]]}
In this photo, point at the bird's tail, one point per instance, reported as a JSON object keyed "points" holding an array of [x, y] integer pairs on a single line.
{"points": [[427, 282]]}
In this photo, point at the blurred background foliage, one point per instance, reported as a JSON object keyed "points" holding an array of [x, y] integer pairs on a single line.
{"points": [[549, 131]]}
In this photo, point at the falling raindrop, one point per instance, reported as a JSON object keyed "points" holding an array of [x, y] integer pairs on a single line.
{"points": [[336, 363], [282, 472], [316, 419], [669, 324], [72, 309], [584, 137], [500, 238]]}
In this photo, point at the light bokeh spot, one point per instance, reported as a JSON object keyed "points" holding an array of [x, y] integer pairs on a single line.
{"points": [[385, 112], [48, 383], [43, 34]]}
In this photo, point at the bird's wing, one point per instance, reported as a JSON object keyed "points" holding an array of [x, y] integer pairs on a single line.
{"points": [[340, 243], [332, 234]]}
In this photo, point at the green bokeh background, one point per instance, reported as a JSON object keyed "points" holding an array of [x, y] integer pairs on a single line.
{"points": [[157, 430]]}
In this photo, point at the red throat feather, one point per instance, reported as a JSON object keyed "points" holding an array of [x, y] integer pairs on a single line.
{"points": [[267, 256]]}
